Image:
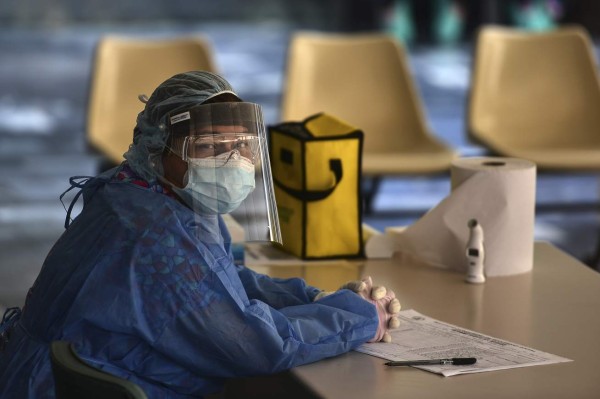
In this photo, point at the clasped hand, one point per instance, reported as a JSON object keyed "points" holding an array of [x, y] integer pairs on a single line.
{"points": [[385, 302]]}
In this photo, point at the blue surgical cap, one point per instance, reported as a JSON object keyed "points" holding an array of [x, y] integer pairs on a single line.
{"points": [[176, 94]]}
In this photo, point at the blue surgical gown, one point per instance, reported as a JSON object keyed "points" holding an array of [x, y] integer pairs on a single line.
{"points": [[147, 290]]}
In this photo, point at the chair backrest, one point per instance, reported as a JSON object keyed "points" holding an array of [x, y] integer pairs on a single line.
{"points": [[125, 68], [534, 90], [74, 379], [363, 79]]}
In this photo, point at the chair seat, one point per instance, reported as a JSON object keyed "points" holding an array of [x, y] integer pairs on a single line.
{"points": [[411, 162], [536, 96], [365, 80], [569, 159]]}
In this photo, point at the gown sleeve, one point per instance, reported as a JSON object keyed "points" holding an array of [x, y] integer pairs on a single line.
{"points": [[276, 292], [206, 319], [224, 335], [239, 323]]}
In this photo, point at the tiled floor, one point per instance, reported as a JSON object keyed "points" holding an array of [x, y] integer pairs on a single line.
{"points": [[44, 78]]}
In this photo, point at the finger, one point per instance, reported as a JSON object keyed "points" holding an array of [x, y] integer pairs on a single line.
{"points": [[356, 286], [378, 292], [369, 285], [394, 306], [386, 338], [393, 323], [322, 294]]}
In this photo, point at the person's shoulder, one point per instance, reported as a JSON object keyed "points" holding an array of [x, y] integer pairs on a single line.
{"points": [[111, 201], [128, 198]]}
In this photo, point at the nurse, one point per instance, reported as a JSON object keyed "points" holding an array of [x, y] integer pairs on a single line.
{"points": [[143, 282]]}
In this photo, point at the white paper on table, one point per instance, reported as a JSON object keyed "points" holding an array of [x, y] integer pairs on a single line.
{"points": [[420, 337], [267, 254]]}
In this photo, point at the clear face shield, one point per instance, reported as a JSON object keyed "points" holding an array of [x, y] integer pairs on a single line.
{"points": [[225, 147]]}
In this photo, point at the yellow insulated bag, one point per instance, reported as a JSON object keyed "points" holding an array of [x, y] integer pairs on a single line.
{"points": [[316, 167]]}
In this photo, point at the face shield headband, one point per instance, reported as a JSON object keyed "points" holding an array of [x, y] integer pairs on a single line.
{"points": [[224, 145]]}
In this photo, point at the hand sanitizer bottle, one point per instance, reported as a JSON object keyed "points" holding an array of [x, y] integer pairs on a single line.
{"points": [[475, 253]]}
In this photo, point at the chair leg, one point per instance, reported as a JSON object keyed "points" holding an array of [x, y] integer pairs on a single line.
{"points": [[370, 188], [594, 260]]}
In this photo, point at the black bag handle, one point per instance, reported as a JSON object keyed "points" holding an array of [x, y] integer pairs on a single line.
{"points": [[335, 165]]}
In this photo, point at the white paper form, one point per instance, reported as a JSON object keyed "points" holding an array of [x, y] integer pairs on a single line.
{"points": [[421, 337]]}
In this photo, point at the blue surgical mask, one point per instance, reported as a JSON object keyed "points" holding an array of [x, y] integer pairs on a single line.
{"points": [[217, 184]]}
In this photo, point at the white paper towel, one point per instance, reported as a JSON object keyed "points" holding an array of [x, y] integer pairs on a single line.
{"points": [[500, 194]]}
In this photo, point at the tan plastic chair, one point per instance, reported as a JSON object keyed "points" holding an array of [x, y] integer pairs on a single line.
{"points": [[537, 96], [364, 79], [125, 68]]}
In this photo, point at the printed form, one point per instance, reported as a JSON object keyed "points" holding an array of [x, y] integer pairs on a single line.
{"points": [[421, 337]]}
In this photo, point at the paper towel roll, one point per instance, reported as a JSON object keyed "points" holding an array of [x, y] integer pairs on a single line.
{"points": [[500, 194]]}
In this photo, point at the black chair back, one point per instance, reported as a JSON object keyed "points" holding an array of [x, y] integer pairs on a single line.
{"points": [[75, 379]]}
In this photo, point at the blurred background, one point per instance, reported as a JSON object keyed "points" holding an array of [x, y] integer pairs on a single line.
{"points": [[46, 57]]}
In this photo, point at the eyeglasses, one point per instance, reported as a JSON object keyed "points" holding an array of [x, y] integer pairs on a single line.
{"points": [[205, 146]]}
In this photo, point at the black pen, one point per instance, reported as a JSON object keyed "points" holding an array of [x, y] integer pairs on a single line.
{"points": [[456, 361]]}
